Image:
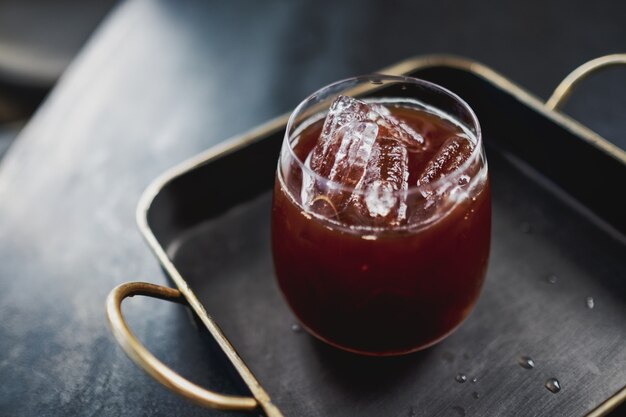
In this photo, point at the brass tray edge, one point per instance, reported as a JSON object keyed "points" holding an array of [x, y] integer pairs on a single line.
{"points": [[240, 141]]}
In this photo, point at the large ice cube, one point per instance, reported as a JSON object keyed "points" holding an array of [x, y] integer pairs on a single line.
{"points": [[364, 147], [343, 112], [340, 156]]}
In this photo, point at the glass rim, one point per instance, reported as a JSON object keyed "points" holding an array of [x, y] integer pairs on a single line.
{"points": [[384, 77]]}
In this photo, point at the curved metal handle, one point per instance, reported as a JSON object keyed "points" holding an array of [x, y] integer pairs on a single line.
{"points": [[142, 357], [563, 91]]}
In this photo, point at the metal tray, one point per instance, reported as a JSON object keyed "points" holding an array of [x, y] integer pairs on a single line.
{"points": [[557, 216]]}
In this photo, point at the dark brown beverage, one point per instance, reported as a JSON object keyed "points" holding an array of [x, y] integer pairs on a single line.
{"points": [[392, 258]]}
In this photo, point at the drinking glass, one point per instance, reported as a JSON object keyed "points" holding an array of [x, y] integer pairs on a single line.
{"points": [[373, 284]]}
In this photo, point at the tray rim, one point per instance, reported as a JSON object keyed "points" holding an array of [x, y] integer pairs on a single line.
{"points": [[240, 141]]}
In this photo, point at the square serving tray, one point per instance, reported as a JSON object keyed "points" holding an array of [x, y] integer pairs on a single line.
{"points": [[558, 241]]}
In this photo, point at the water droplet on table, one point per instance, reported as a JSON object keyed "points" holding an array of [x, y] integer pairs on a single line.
{"points": [[552, 279], [475, 395], [296, 328], [553, 385], [460, 378], [526, 362], [590, 303], [474, 380]]}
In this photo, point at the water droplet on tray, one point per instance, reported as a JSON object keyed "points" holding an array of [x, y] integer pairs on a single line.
{"points": [[296, 328], [590, 303], [552, 279], [526, 362], [460, 378], [474, 380], [475, 395], [553, 385]]}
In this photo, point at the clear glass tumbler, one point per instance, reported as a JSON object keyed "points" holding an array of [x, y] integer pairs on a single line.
{"points": [[382, 251]]}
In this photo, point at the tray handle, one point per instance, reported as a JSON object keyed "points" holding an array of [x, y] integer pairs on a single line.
{"points": [[159, 371], [569, 83]]}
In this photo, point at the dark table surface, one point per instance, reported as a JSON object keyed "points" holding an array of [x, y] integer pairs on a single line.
{"points": [[161, 81]]}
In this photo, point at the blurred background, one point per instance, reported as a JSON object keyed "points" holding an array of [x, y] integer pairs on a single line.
{"points": [[312, 43], [38, 40]]}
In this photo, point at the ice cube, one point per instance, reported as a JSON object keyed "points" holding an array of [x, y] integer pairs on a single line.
{"points": [[392, 128], [343, 111], [340, 156], [361, 146], [382, 193], [451, 155], [350, 160]]}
